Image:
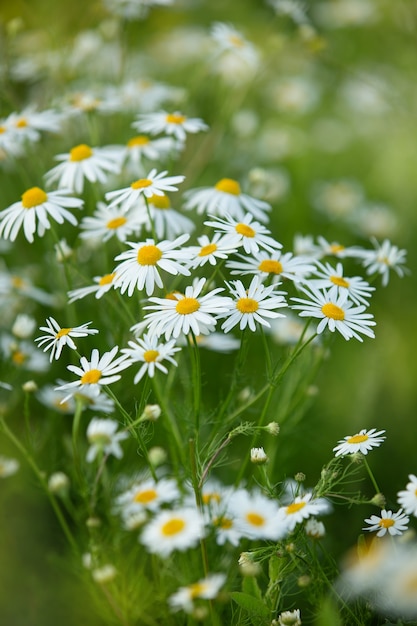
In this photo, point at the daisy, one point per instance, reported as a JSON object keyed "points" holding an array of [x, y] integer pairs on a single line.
{"points": [[210, 250], [103, 438], [133, 9], [408, 497], [142, 147], [103, 285], [256, 516], [246, 233], [231, 42], [150, 352], [207, 588], [335, 312], [252, 305], [300, 509], [98, 371], [56, 337], [173, 530], [384, 258], [226, 198], [141, 264], [147, 495], [336, 249], [272, 265], [362, 442], [108, 222], [327, 277], [26, 125], [393, 523], [37, 206], [165, 220], [176, 124], [15, 285], [50, 397], [23, 354], [218, 342], [153, 184], [82, 162], [182, 313], [289, 618]]}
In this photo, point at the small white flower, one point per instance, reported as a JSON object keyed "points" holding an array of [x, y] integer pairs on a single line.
{"points": [[256, 516], [258, 456], [393, 523], [154, 184], [245, 233], [314, 528], [207, 588], [176, 124], [328, 277], [272, 265], [383, 259], [148, 351], [408, 497], [103, 438], [23, 326], [210, 250], [104, 574], [147, 495], [56, 337], [289, 618], [171, 530], [109, 222], [362, 442], [103, 285], [300, 509]]}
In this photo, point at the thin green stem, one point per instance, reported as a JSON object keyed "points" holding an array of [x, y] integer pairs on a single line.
{"points": [[371, 475], [196, 377]]}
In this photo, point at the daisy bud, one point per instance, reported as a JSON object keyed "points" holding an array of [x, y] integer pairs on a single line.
{"points": [[157, 456], [23, 326], [314, 528], [200, 613], [304, 581], [58, 483], [105, 574], [300, 477], [87, 560], [379, 500], [258, 456], [151, 413], [30, 386], [272, 428], [8, 466], [244, 395], [289, 618], [93, 522]]}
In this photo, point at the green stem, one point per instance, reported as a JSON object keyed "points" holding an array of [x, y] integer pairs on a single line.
{"points": [[176, 443], [196, 376], [371, 475]]}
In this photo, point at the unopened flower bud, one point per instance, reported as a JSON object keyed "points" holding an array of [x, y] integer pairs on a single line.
{"points": [[151, 413], [105, 574], [30, 386], [62, 251], [314, 528], [300, 477], [58, 483], [93, 522], [272, 428], [379, 500], [157, 456], [304, 581], [258, 456], [23, 326], [289, 618]]}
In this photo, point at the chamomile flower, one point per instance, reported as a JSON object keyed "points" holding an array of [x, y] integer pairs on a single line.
{"points": [[142, 148], [23, 354], [210, 250], [332, 248], [150, 352], [108, 222], [226, 198], [335, 312], [256, 516], [98, 371], [289, 618], [140, 266], [34, 210], [272, 265], [56, 337], [388, 522], [166, 221], [235, 55], [245, 233], [176, 124], [252, 305], [327, 277], [154, 184], [103, 438], [362, 442], [103, 284], [300, 509], [177, 529], [384, 258], [408, 497], [207, 588], [58, 401], [83, 162], [182, 313], [28, 124], [147, 495]]}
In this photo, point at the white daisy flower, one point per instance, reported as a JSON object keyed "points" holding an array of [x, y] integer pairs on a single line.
{"points": [[226, 198], [9, 144], [289, 618], [14, 284], [133, 9], [408, 497], [218, 342], [27, 124], [314, 528], [83, 162], [252, 305], [182, 313], [58, 400], [362, 442], [154, 184], [141, 264], [206, 588], [304, 245], [383, 259], [8, 466], [336, 249], [103, 285], [56, 337], [234, 48], [173, 530], [147, 495], [327, 277], [34, 210], [149, 351], [166, 221], [103, 438], [388, 522], [176, 124], [258, 456], [141, 147], [210, 250], [246, 233], [272, 265], [335, 312], [23, 326], [256, 516], [98, 371], [23, 354], [300, 509], [108, 222]]}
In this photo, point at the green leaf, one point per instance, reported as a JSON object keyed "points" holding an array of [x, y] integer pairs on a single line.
{"points": [[328, 614], [254, 607], [251, 588]]}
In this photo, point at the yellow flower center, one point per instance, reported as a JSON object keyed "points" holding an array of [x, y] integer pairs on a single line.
{"points": [[223, 522], [206, 250], [63, 332], [141, 183], [173, 527], [207, 498], [159, 202], [357, 439], [197, 589], [80, 152], [255, 519], [91, 377], [175, 118], [2, 129], [228, 185], [294, 507], [245, 230], [336, 247], [339, 281], [18, 357], [18, 282], [21, 123], [33, 197], [145, 496], [247, 305], [106, 279], [236, 41], [149, 255], [139, 140], [333, 311], [386, 522], [116, 222], [270, 266], [185, 306], [150, 355]]}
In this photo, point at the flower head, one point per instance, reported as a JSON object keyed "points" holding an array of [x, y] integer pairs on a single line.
{"points": [[245, 233], [362, 442], [176, 124], [56, 337], [170, 530], [393, 523], [207, 588], [408, 497], [300, 509], [153, 184], [103, 438], [150, 352], [384, 258]]}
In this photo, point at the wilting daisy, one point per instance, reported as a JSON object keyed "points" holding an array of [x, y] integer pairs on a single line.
{"points": [[207, 588], [166, 221], [34, 210], [56, 337], [107, 222], [98, 371], [246, 233], [103, 285], [210, 250], [176, 124], [154, 184], [256, 516], [300, 509], [83, 162], [408, 497], [362, 442], [272, 265], [327, 277], [147, 495], [103, 438], [335, 312], [141, 264], [384, 258], [150, 352], [226, 198], [173, 530], [252, 305], [388, 522], [182, 313]]}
